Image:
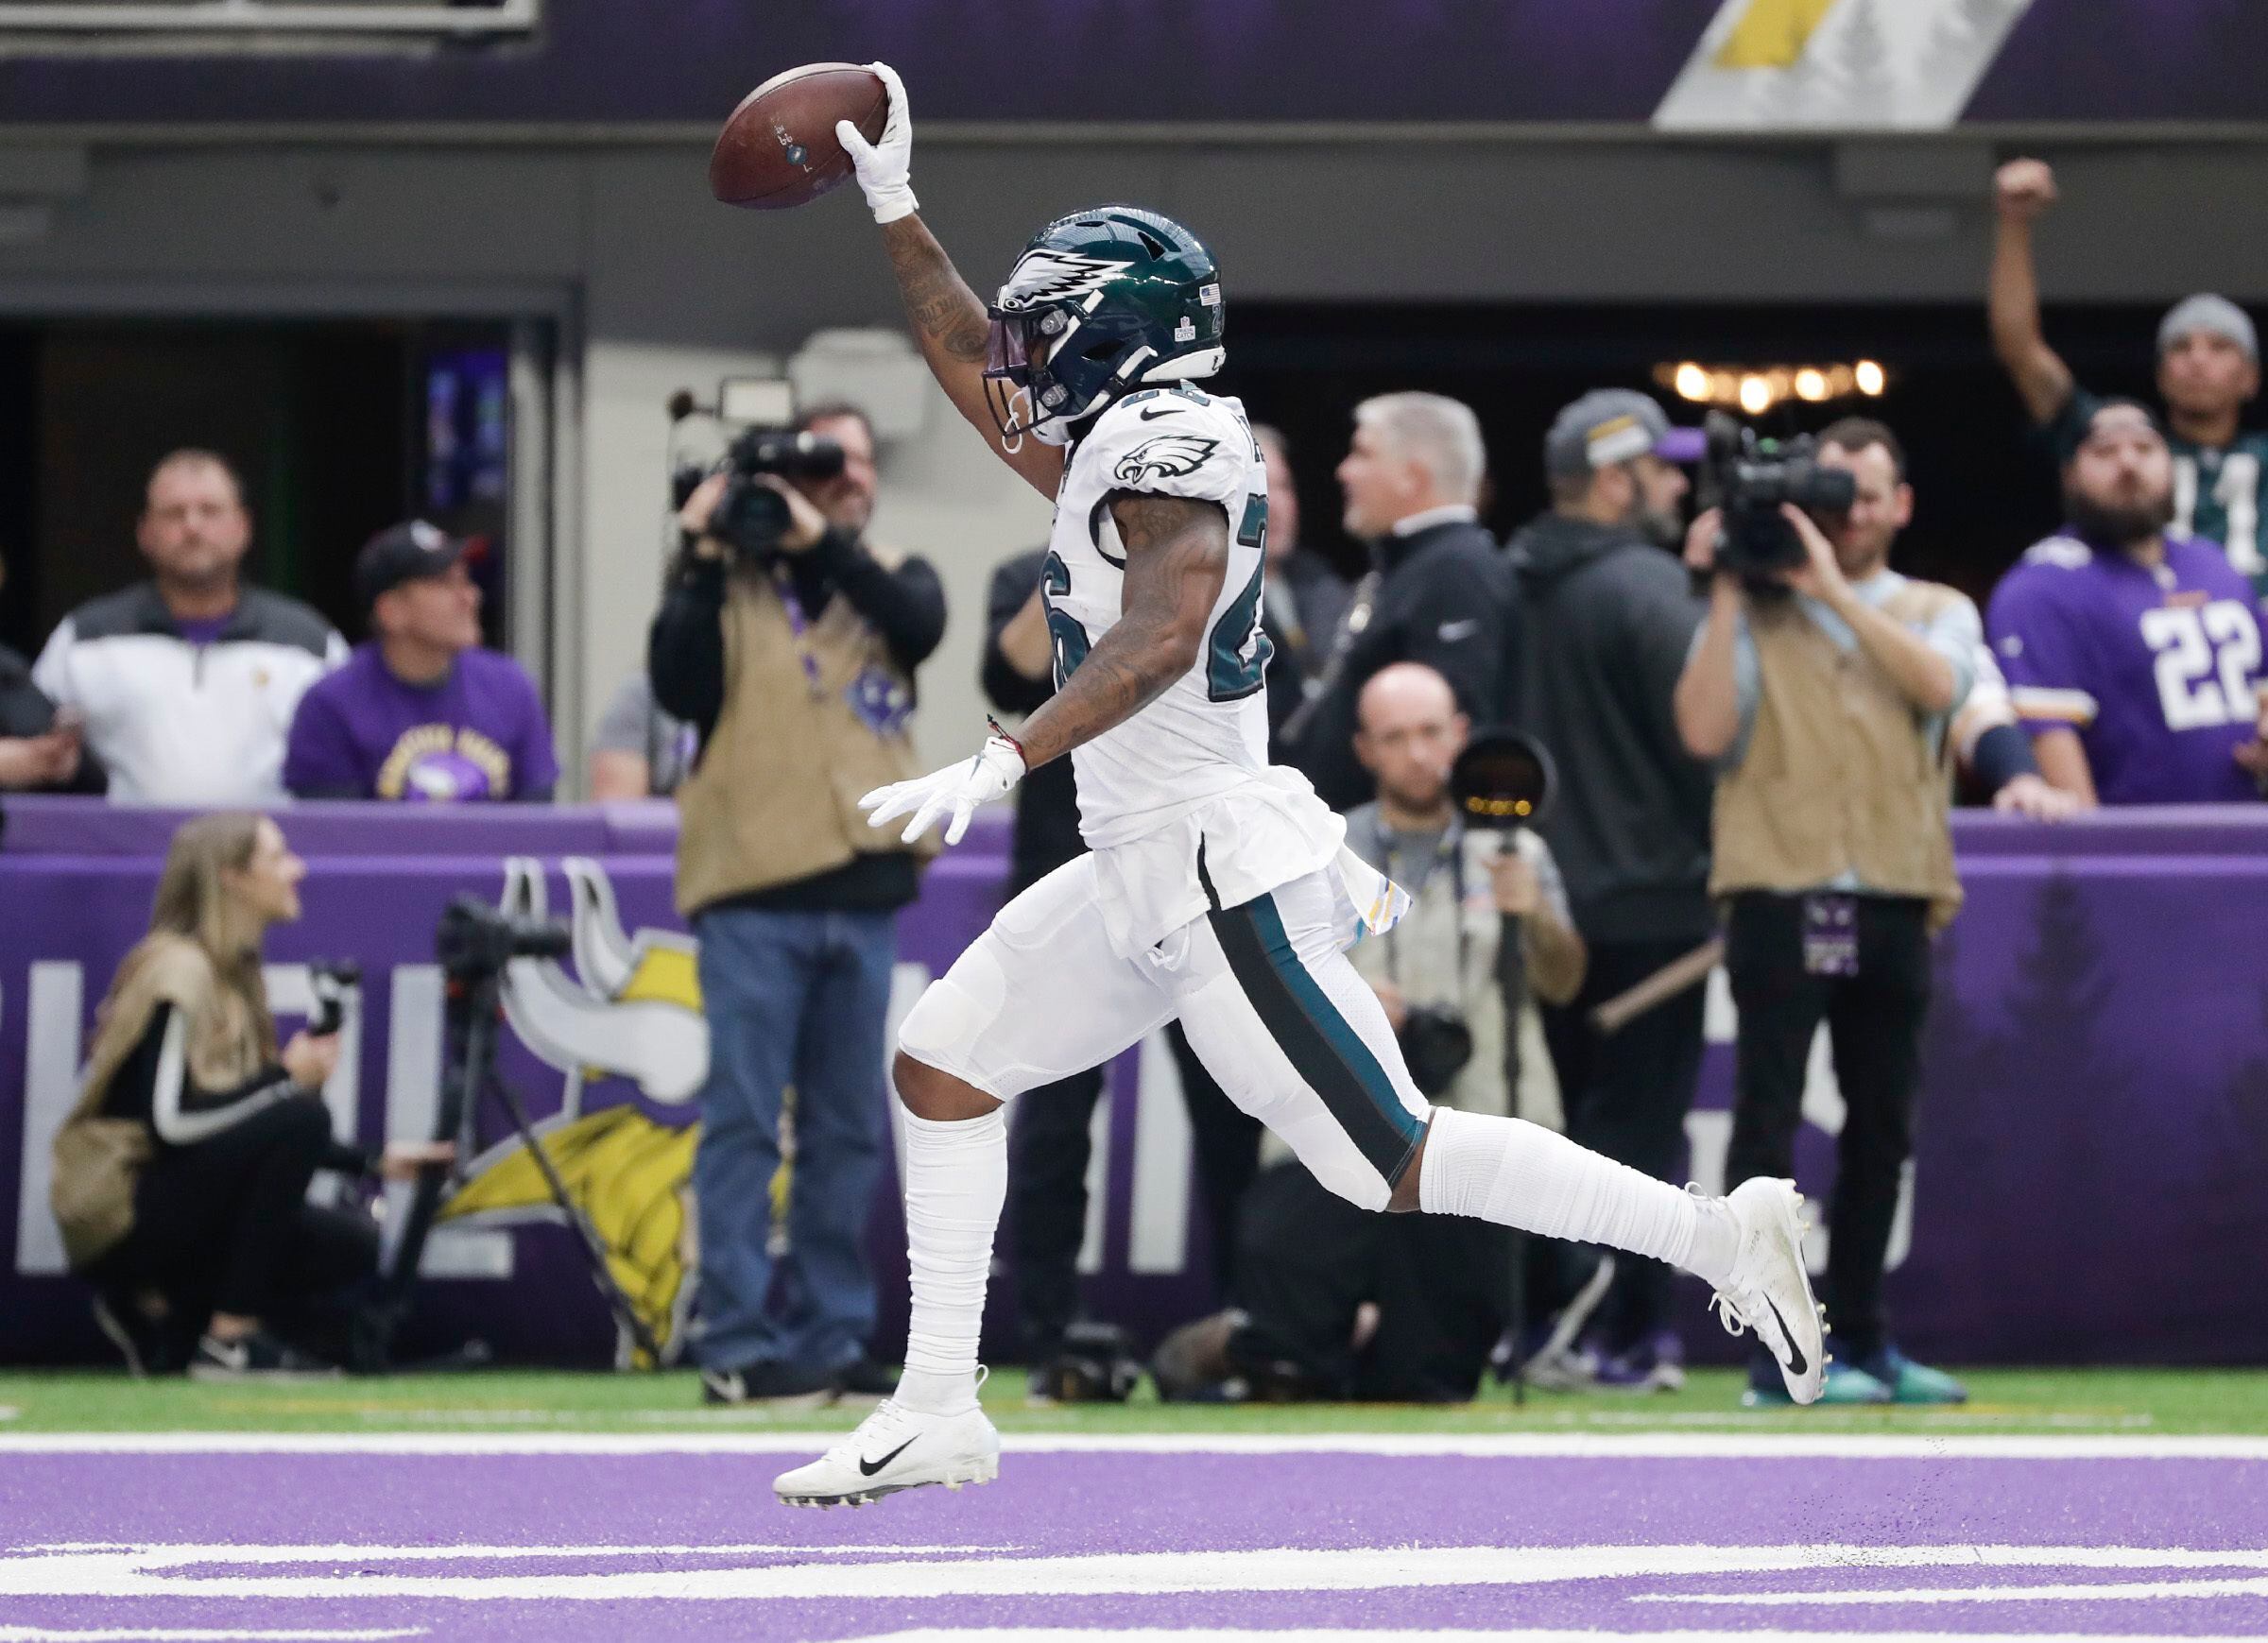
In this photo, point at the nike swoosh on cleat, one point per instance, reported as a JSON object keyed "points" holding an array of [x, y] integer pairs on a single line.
{"points": [[1795, 1360], [868, 1468]]}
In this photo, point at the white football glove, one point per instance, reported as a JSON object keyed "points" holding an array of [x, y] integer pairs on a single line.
{"points": [[955, 790], [885, 169]]}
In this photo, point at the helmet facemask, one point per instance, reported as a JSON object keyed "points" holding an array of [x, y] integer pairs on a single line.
{"points": [[1049, 368]]}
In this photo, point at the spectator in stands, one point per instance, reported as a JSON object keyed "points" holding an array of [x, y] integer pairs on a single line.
{"points": [[1606, 616], [1336, 1302], [41, 751], [421, 712], [1303, 597], [1826, 708], [1437, 592], [638, 751], [185, 684], [181, 1175], [2208, 365], [795, 666], [2133, 653]]}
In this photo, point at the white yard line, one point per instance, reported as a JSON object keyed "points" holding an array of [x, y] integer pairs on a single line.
{"points": [[1482, 1446], [196, 1634], [1430, 1634]]}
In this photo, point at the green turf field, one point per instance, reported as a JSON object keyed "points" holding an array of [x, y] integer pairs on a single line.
{"points": [[2014, 1401]]}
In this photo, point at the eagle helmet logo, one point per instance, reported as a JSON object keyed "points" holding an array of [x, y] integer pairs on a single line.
{"points": [[1045, 275]]}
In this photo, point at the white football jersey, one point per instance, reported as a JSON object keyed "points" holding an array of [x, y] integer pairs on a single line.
{"points": [[1191, 769]]}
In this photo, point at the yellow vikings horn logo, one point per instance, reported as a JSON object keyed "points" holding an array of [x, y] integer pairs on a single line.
{"points": [[633, 1011]]}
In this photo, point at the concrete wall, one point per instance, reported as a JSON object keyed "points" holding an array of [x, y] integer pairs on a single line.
{"points": [[657, 287]]}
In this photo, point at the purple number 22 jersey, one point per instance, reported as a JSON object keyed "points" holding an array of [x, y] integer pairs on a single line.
{"points": [[2156, 669]]}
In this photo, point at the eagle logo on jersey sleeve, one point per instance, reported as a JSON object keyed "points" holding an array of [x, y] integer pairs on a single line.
{"points": [[1165, 456]]}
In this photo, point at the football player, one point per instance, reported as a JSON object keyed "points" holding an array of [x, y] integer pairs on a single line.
{"points": [[2132, 653], [2208, 367], [1216, 889]]}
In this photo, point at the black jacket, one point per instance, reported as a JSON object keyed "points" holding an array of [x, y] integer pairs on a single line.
{"points": [[685, 659], [1321, 594], [685, 651], [1443, 597], [24, 711], [1607, 619]]}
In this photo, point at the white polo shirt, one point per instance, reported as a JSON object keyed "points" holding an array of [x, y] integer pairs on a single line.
{"points": [[181, 723]]}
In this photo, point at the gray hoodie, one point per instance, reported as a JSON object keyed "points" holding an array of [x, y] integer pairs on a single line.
{"points": [[1607, 619]]}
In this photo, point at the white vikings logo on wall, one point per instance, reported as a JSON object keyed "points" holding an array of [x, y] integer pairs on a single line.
{"points": [[632, 1010]]}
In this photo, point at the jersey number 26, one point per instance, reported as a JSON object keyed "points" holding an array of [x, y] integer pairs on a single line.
{"points": [[1237, 652]]}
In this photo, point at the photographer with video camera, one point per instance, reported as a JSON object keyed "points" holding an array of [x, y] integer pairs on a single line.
{"points": [[790, 642], [1822, 685]]}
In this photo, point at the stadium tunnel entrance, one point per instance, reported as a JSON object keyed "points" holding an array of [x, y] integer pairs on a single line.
{"points": [[338, 427]]}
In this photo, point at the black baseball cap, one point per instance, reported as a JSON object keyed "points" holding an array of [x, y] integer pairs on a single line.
{"points": [[403, 553]]}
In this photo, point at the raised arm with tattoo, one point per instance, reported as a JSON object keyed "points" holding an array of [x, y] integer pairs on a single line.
{"points": [[949, 322]]}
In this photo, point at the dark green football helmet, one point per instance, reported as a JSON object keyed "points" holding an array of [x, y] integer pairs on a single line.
{"points": [[1098, 302]]}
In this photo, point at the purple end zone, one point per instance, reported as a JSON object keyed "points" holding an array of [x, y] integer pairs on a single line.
{"points": [[574, 1546]]}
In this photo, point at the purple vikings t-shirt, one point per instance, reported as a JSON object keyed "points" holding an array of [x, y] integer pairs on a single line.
{"points": [[2156, 669], [479, 734]]}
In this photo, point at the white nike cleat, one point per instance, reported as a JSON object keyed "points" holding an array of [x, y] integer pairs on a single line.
{"points": [[1769, 1291], [895, 1449]]}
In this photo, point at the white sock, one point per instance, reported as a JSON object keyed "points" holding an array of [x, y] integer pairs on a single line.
{"points": [[956, 1179], [1517, 1174]]}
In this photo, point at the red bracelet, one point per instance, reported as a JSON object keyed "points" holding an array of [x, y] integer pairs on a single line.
{"points": [[1009, 739]]}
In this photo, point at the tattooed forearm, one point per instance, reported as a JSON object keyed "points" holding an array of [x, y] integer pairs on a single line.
{"points": [[1176, 555], [946, 315]]}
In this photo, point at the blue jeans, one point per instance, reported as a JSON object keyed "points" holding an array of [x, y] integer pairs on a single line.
{"points": [[792, 999]]}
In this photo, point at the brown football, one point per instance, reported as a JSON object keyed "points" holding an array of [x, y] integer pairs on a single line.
{"points": [[778, 148]]}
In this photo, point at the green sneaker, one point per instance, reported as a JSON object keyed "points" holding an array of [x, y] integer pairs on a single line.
{"points": [[1911, 1382], [1845, 1383]]}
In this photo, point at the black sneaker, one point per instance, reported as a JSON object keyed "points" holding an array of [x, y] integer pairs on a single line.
{"points": [[780, 1385], [256, 1357], [140, 1339]]}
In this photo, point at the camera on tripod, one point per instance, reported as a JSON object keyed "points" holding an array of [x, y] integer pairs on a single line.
{"points": [[475, 941], [476, 944], [1749, 478], [751, 517]]}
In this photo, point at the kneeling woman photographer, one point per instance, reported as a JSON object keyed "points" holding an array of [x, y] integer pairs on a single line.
{"points": [[180, 1177]]}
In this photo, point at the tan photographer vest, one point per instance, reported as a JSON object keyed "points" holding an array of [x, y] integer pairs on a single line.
{"points": [[1838, 777], [775, 797]]}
